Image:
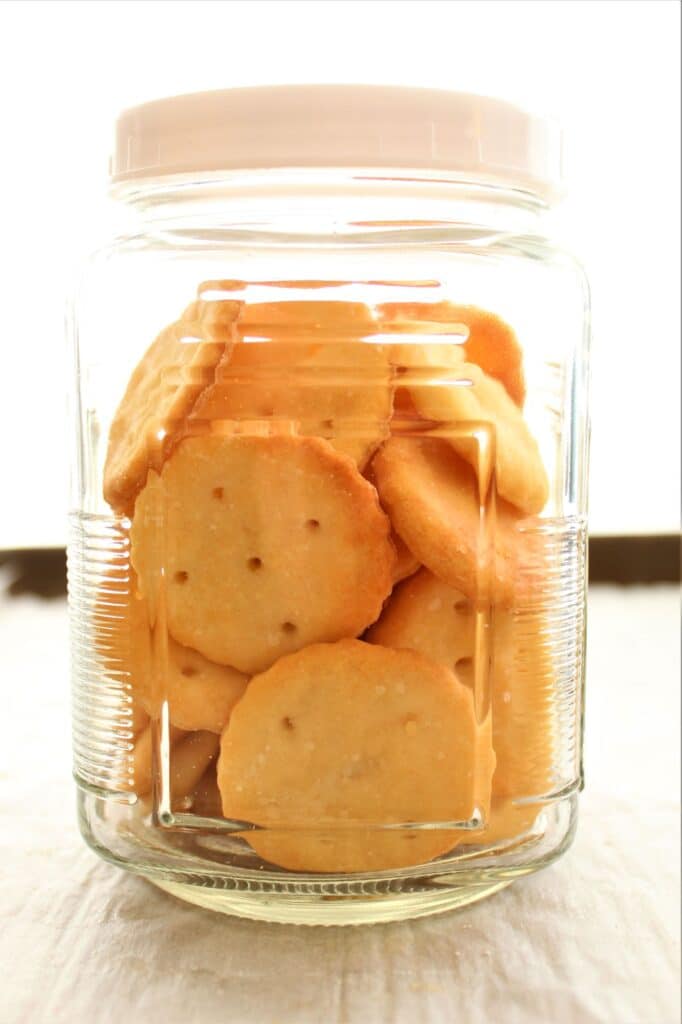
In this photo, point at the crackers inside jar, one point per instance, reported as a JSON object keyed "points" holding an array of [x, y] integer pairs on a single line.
{"points": [[262, 545], [426, 615], [310, 363], [489, 341], [200, 694], [161, 393], [433, 499], [341, 751]]}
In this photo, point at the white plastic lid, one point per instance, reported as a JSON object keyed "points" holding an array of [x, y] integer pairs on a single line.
{"points": [[459, 135]]}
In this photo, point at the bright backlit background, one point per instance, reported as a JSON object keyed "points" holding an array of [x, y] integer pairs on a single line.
{"points": [[608, 69]]}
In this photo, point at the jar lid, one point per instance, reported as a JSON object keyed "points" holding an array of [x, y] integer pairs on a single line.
{"points": [[465, 137]]}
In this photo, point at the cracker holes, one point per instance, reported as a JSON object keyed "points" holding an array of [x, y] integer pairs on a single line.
{"points": [[218, 493], [288, 724], [188, 671], [461, 607], [464, 670], [289, 628], [181, 576], [312, 525], [254, 564]]}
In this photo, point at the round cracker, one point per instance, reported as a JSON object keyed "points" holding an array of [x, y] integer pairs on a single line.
{"points": [[418, 367], [340, 737], [271, 543], [447, 389], [199, 693], [432, 497], [476, 398], [191, 754], [428, 616], [143, 764], [519, 473], [491, 343], [163, 389], [303, 362]]}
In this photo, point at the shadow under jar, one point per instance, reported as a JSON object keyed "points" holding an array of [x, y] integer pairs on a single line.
{"points": [[327, 552]]}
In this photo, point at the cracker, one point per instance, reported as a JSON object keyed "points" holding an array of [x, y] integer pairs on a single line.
{"points": [[271, 543], [432, 497], [307, 318], [339, 737], [110, 618], [206, 795], [519, 473], [447, 389], [190, 756], [491, 343], [199, 693], [189, 760], [142, 764], [428, 616], [161, 394], [524, 692], [406, 564], [304, 362]]}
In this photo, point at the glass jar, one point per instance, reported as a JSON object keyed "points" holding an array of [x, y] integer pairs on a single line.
{"points": [[328, 535]]}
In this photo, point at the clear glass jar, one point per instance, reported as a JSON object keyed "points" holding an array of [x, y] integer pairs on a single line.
{"points": [[327, 561]]}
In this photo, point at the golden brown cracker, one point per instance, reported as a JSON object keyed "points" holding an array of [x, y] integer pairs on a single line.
{"points": [[307, 319], [490, 343], [163, 389], [524, 682], [446, 388], [110, 623], [304, 363], [519, 473], [406, 564], [468, 395], [199, 693], [142, 768], [189, 759], [340, 737], [420, 366], [271, 543], [206, 795], [432, 497], [428, 616]]}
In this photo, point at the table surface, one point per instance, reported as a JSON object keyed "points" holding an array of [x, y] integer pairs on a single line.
{"points": [[594, 938]]}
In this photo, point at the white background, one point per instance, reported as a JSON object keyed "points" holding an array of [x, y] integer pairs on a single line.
{"points": [[609, 69]]}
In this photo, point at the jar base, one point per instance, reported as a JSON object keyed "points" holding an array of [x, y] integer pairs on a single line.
{"points": [[219, 873], [282, 908]]}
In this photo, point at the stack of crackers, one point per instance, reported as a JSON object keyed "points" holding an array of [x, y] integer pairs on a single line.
{"points": [[328, 588]]}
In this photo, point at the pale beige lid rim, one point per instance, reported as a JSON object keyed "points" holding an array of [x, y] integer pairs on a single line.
{"points": [[465, 136]]}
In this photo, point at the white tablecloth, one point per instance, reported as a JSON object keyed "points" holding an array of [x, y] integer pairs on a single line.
{"points": [[594, 938]]}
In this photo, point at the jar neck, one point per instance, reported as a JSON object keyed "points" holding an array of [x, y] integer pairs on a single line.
{"points": [[314, 202]]}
